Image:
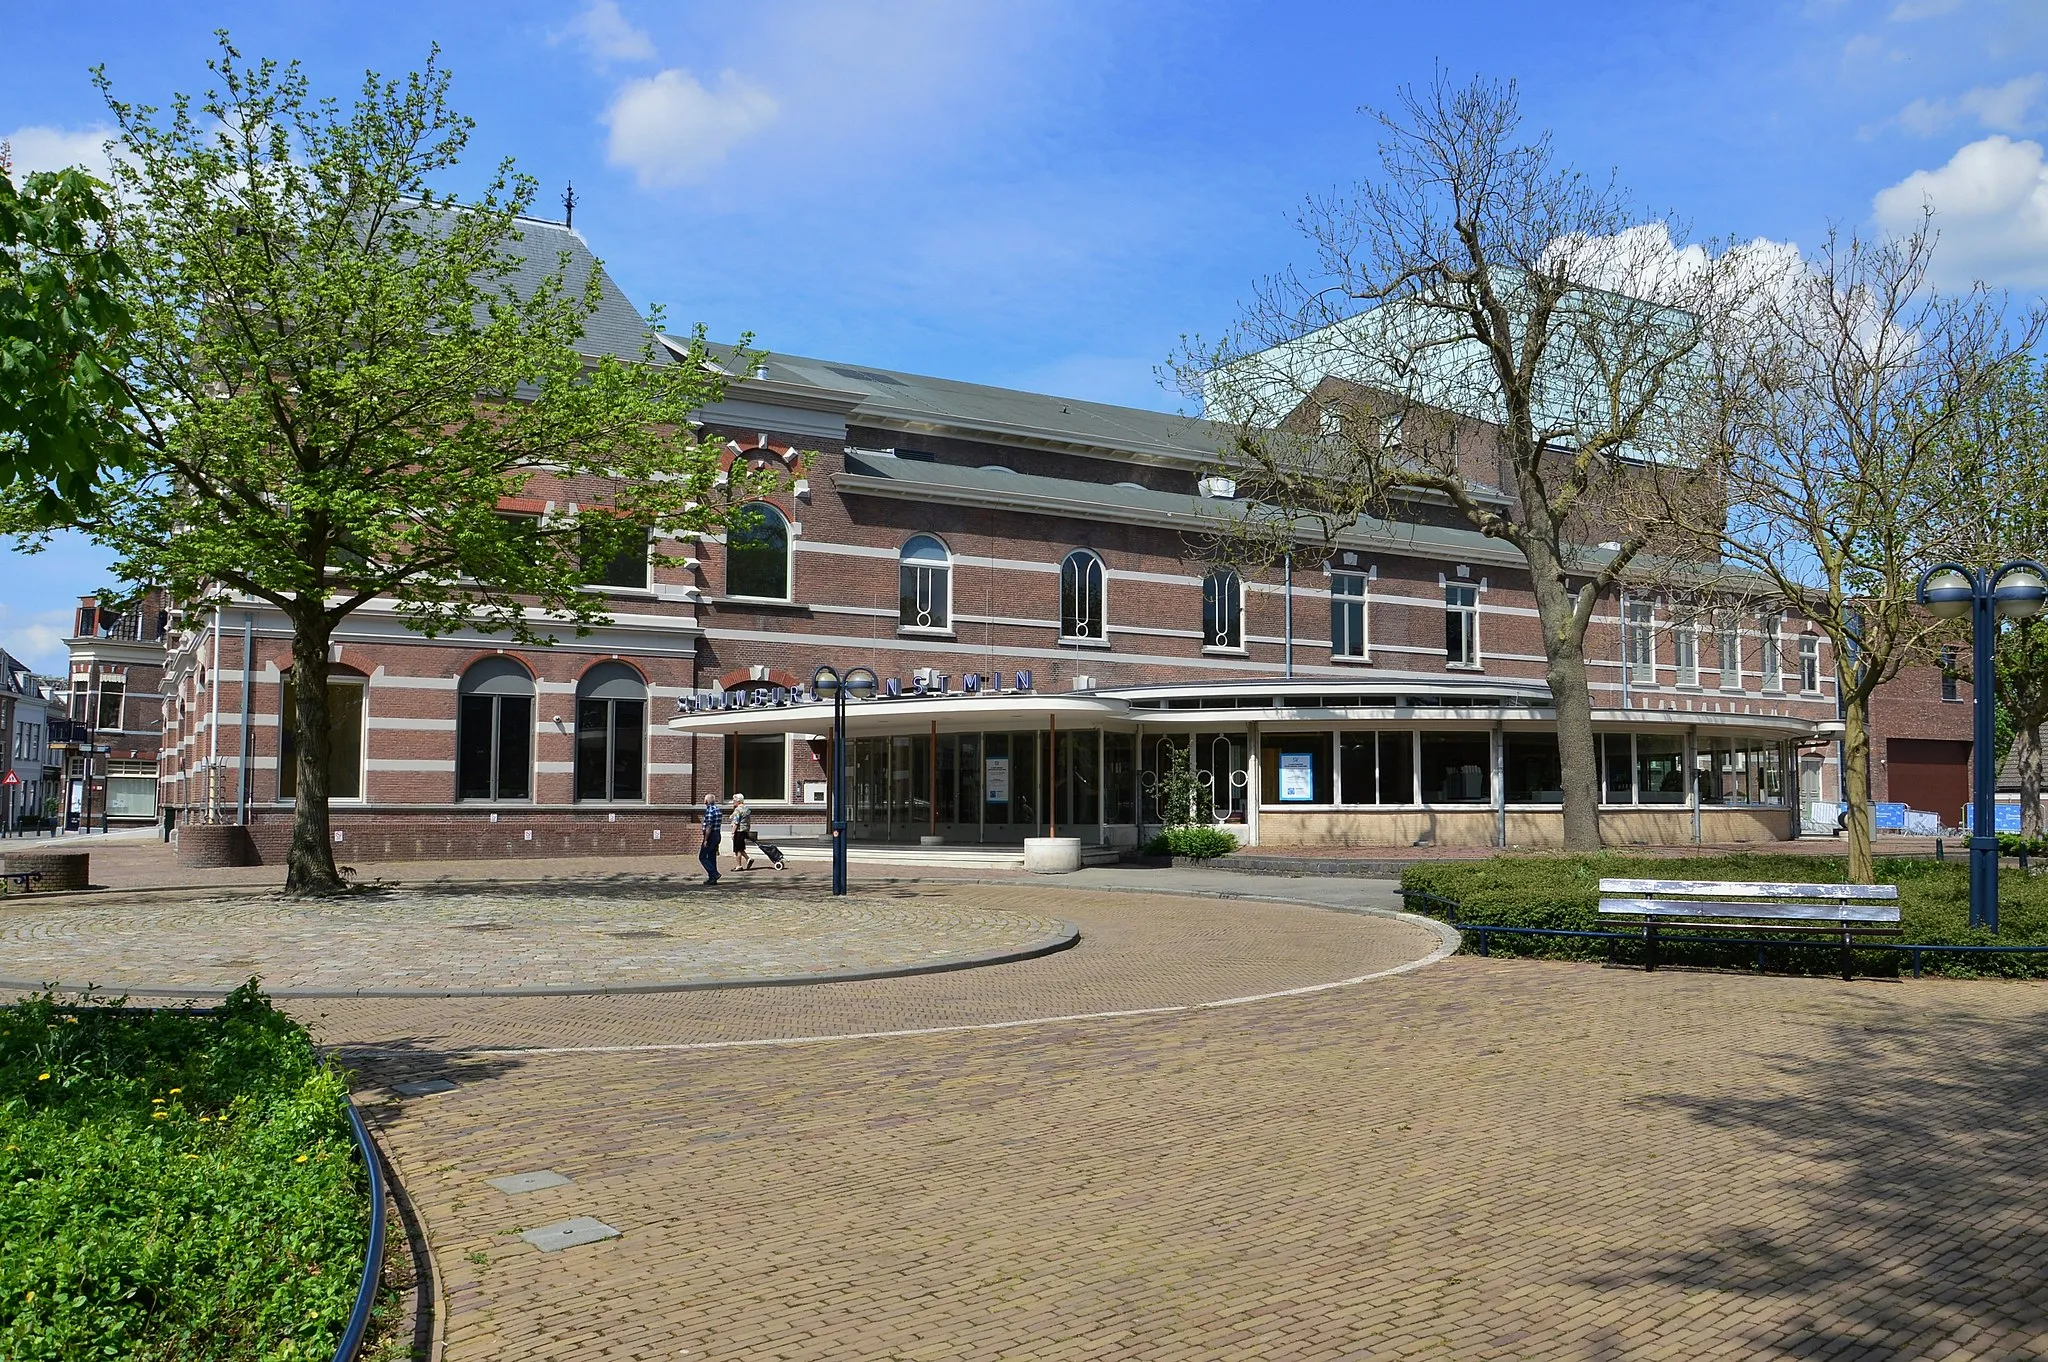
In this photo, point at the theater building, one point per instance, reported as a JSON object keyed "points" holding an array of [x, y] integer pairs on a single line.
{"points": [[1026, 575]]}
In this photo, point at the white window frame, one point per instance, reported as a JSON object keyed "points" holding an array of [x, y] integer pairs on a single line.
{"points": [[1639, 637], [789, 788], [925, 569], [1685, 648], [1100, 637], [1772, 663], [1361, 598], [1809, 664], [1475, 660], [1728, 639], [286, 718]]}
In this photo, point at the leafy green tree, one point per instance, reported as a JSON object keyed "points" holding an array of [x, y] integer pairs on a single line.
{"points": [[339, 375], [62, 326]]}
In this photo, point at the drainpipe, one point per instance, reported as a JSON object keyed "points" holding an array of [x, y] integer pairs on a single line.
{"points": [[1692, 775], [242, 768], [1500, 784], [1254, 780], [1624, 648], [212, 731], [1287, 605]]}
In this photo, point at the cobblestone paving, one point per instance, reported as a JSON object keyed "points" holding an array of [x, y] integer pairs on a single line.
{"points": [[505, 938], [1481, 1159]]}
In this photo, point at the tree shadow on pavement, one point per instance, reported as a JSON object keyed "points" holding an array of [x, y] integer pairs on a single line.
{"points": [[1926, 1223]]}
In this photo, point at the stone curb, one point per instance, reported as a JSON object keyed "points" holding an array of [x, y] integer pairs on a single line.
{"points": [[1068, 935]]}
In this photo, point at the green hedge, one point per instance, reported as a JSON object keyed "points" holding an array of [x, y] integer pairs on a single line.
{"points": [[1199, 843], [1563, 892], [173, 1185]]}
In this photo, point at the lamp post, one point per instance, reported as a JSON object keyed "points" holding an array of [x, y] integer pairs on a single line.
{"points": [[2015, 591], [860, 683]]}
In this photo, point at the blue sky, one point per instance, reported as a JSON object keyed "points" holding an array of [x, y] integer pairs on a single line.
{"points": [[1046, 194]]}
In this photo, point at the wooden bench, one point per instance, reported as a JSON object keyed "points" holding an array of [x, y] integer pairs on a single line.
{"points": [[1852, 910]]}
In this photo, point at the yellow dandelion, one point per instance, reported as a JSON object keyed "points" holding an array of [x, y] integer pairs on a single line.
{"points": [[204, 1119], [158, 1100], [300, 1159], [176, 1091], [159, 1116], [31, 1295], [42, 1077]]}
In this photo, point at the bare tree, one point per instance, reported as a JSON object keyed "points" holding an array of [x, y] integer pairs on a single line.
{"points": [[1486, 327], [1839, 408]]}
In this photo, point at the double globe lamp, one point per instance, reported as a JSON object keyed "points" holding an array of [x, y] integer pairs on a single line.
{"points": [[2015, 591], [829, 684]]}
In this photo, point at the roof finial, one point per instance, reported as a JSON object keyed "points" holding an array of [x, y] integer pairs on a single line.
{"points": [[569, 206]]}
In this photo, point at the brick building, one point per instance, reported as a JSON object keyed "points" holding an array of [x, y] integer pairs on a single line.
{"points": [[1025, 574], [115, 702]]}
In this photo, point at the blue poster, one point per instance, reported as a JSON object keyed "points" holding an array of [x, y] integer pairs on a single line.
{"points": [[1888, 817], [1298, 777], [2004, 817]]}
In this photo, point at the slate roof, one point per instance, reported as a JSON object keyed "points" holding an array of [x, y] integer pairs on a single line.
{"points": [[892, 397]]}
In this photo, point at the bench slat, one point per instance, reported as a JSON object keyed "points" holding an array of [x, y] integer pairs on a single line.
{"points": [[1805, 912], [1759, 889]]}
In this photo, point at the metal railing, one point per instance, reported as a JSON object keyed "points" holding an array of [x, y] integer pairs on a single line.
{"points": [[373, 1261]]}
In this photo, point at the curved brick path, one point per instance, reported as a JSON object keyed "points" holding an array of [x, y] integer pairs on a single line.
{"points": [[509, 939]]}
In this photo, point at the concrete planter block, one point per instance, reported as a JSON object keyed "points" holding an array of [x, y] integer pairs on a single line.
{"points": [[211, 845], [61, 869], [927, 840], [1052, 855]]}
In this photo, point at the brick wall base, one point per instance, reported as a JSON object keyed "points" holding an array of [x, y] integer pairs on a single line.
{"points": [[61, 869]]}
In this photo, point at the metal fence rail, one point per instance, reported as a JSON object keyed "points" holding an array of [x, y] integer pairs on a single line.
{"points": [[373, 1261]]}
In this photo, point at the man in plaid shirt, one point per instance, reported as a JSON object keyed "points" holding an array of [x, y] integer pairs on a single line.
{"points": [[714, 818]]}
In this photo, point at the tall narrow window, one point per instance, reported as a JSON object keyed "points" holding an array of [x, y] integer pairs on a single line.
{"points": [[1809, 663], [1641, 643], [1222, 610], [757, 766], [1685, 651], [344, 740], [1730, 635], [1772, 663], [1949, 690], [1461, 625], [110, 703], [1081, 613], [1347, 614], [925, 582], [757, 553], [611, 733], [494, 731]]}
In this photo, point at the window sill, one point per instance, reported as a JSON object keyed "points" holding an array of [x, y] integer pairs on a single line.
{"points": [[1213, 650], [750, 600], [923, 631], [599, 589], [1343, 661], [1067, 641], [1464, 666]]}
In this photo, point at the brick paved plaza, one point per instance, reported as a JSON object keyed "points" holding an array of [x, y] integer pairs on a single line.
{"points": [[1488, 1159]]}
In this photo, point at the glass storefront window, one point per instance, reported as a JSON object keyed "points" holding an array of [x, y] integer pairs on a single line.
{"points": [[757, 766], [1616, 768], [1660, 773], [1533, 772], [1376, 768], [1457, 768], [1295, 769], [1119, 778]]}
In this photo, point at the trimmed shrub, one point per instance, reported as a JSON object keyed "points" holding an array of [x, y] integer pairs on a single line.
{"points": [[1195, 843], [178, 1185], [1563, 893]]}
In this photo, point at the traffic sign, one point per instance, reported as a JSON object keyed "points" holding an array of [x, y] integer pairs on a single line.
{"points": [[11, 778]]}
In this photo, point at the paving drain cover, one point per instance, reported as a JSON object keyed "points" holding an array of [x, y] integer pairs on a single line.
{"points": [[425, 1087], [515, 1183], [636, 936], [563, 1234], [486, 927]]}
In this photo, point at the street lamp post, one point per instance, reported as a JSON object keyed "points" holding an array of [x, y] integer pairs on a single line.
{"points": [[2015, 591], [860, 683]]}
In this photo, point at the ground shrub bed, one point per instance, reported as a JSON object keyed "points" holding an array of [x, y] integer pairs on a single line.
{"points": [[1196, 843], [1563, 893], [173, 1185]]}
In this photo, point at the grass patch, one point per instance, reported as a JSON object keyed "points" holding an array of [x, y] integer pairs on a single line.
{"points": [[1563, 892], [173, 1185]]}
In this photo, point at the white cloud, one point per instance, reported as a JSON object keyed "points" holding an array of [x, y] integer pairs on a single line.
{"points": [[668, 129], [1908, 10], [2001, 108], [1991, 208], [606, 34], [36, 637], [44, 148]]}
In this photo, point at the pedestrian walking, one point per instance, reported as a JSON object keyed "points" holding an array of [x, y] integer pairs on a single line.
{"points": [[742, 829], [707, 855]]}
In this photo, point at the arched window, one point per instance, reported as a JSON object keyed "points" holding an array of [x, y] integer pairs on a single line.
{"points": [[1081, 614], [925, 578], [757, 553], [1222, 610], [494, 731], [611, 733]]}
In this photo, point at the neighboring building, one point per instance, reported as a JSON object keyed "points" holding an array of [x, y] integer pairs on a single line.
{"points": [[25, 703], [1920, 745], [116, 705]]}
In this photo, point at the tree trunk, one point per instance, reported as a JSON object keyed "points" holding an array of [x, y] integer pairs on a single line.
{"points": [[2030, 780], [309, 866], [1564, 652], [1856, 786]]}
